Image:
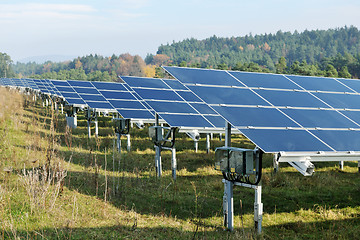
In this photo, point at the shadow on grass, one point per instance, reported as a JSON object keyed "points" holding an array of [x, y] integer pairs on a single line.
{"points": [[131, 229], [322, 229]]}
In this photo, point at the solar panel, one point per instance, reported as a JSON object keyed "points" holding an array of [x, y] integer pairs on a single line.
{"points": [[123, 100], [41, 86], [71, 97], [90, 95], [282, 112], [175, 103]]}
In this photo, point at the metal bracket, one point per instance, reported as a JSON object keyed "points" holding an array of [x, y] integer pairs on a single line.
{"points": [[162, 140], [121, 125]]}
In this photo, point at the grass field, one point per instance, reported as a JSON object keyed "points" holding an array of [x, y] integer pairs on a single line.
{"points": [[55, 183]]}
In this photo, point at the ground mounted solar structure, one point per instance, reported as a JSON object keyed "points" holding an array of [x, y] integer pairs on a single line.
{"points": [[176, 104], [297, 118], [179, 108], [281, 113]]}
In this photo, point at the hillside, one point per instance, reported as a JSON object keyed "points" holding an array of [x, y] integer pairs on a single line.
{"points": [[311, 46]]}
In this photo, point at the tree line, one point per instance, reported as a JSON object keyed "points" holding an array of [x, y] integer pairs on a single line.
{"points": [[331, 53], [309, 52]]}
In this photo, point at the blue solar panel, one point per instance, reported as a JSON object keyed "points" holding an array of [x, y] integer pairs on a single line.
{"points": [[340, 140], [158, 94], [264, 80], [174, 103], [64, 88], [320, 118], [215, 77], [319, 83], [283, 113], [340, 100], [191, 121], [123, 100], [353, 84], [127, 104], [276, 140], [255, 117], [99, 105], [85, 90], [235, 96], [109, 86], [117, 95], [41, 86], [75, 83], [291, 98], [90, 95]]}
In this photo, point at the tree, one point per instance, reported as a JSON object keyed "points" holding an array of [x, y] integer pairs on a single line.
{"points": [[330, 71], [281, 65], [344, 72], [5, 66]]}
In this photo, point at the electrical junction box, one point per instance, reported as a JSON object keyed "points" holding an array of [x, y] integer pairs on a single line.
{"points": [[122, 125], [235, 160], [156, 133], [71, 122]]}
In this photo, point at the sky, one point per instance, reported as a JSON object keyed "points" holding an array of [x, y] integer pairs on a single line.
{"points": [[74, 28]]}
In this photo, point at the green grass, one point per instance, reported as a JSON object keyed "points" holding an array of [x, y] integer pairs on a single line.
{"points": [[140, 206]]}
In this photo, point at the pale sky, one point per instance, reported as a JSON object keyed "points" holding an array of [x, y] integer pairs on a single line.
{"points": [[78, 27]]}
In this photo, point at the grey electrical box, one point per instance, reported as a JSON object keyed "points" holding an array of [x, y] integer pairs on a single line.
{"points": [[235, 160], [122, 125], [155, 133], [71, 122]]}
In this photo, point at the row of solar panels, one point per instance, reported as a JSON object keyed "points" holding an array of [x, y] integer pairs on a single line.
{"points": [[102, 96], [276, 112]]}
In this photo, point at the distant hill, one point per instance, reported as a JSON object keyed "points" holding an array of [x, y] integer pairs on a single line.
{"points": [[265, 49], [46, 58]]}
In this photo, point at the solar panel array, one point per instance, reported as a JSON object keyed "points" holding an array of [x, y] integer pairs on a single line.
{"points": [[102, 96], [175, 103], [282, 112], [276, 112]]}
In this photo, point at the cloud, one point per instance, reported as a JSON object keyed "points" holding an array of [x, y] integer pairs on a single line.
{"points": [[35, 10]]}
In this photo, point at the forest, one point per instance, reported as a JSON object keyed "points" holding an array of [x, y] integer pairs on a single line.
{"points": [[331, 53]]}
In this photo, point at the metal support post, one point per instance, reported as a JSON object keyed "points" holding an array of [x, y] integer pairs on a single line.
{"points": [[89, 129], [173, 162], [96, 127], [208, 143], [229, 205], [212, 136], [62, 108], [359, 166], [276, 163], [157, 152], [228, 201], [258, 209], [227, 134], [128, 142], [225, 211], [196, 144], [341, 165], [158, 161], [47, 102], [75, 117], [118, 142]]}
